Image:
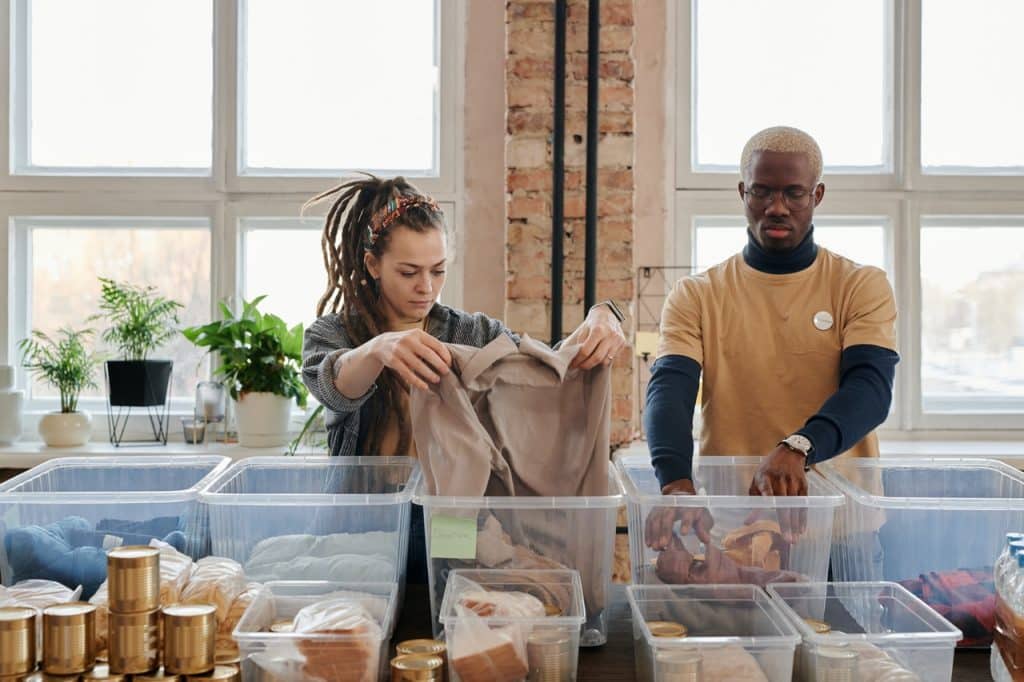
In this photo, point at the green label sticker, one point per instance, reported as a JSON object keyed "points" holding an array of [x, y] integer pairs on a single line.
{"points": [[452, 538]]}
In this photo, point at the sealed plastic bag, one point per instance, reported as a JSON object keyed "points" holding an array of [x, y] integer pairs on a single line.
{"points": [[217, 581]]}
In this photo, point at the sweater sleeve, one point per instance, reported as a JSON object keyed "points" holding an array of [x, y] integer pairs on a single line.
{"points": [[668, 416], [861, 402], [324, 342]]}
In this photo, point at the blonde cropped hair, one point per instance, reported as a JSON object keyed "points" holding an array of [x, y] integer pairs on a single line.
{"points": [[782, 139]]}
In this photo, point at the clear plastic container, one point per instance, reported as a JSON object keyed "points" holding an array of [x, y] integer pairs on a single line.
{"points": [[284, 656], [342, 519], [58, 518], [547, 646], [929, 524], [527, 533], [732, 632], [748, 528], [884, 625]]}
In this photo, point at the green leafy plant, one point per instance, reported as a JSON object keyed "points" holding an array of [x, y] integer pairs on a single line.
{"points": [[258, 352], [64, 363], [141, 320]]}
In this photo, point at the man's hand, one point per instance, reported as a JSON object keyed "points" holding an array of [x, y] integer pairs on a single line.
{"points": [[781, 474], [601, 338], [658, 529]]}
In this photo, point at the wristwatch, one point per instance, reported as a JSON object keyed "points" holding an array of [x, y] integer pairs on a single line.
{"points": [[799, 444], [612, 307]]}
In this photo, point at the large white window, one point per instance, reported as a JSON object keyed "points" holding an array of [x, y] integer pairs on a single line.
{"points": [[173, 142], [924, 169]]}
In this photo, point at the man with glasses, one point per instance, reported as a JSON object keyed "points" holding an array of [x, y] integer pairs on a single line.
{"points": [[797, 346]]}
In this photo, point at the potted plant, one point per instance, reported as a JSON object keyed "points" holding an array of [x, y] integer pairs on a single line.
{"points": [[260, 365], [67, 365], [140, 322]]}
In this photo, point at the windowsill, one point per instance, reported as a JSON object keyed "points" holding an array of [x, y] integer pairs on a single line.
{"points": [[27, 454], [1008, 451]]}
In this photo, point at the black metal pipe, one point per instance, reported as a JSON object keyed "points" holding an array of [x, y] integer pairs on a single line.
{"points": [[558, 175], [590, 232]]}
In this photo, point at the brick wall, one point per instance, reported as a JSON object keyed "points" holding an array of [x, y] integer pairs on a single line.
{"points": [[528, 161]]}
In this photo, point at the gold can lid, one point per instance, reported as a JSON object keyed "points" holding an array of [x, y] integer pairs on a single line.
{"points": [[416, 662], [552, 610], [222, 673], [17, 618], [820, 627], [189, 611], [227, 657], [666, 628], [421, 646], [73, 612], [285, 625], [133, 556], [417, 668], [158, 676], [101, 671]]}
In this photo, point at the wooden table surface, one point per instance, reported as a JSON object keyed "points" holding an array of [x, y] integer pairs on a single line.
{"points": [[614, 660]]}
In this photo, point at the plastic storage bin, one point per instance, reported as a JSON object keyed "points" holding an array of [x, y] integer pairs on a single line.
{"points": [[732, 632], [546, 647], [343, 519], [284, 656], [527, 533], [878, 626], [58, 518], [909, 518], [722, 484]]}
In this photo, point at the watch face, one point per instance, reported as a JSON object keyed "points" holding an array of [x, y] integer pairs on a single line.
{"points": [[800, 443]]}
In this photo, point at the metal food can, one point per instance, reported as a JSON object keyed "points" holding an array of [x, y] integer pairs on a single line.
{"points": [[157, 675], [190, 632], [678, 666], [221, 673], [133, 579], [69, 638], [835, 664], [17, 640], [133, 642], [102, 673], [551, 655]]}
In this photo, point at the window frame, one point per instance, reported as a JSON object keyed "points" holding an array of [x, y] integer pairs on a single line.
{"points": [[223, 196]]}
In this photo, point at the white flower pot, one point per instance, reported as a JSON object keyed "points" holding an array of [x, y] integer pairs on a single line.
{"points": [[65, 429], [263, 419]]}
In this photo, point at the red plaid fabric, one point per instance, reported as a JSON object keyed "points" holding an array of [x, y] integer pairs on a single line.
{"points": [[965, 597]]}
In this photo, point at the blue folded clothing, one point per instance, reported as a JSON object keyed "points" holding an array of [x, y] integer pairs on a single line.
{"points": [[73, 553]]}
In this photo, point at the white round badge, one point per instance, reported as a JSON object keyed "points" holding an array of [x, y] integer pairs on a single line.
{"points": [[823, 320]]}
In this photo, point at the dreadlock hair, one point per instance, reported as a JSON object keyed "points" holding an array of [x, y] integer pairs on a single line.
{"points": [[351, 292]]}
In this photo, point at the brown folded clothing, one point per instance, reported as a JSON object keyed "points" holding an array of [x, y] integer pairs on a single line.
{"points": [[676, 566], [758, 545], [480, 654]]}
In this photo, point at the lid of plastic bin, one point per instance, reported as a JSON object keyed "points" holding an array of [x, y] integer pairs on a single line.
{"points": [[613, 500], [776, 629], [1002, 489], [511, 578], [299, 593], [637, 476], [214, 492], [908, 619], [18, 488]]}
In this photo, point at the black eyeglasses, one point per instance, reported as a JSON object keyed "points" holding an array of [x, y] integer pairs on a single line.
{"points": [[795, 198]]}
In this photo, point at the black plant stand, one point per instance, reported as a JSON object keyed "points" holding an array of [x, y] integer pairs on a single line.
{"points": [[118, 417]]}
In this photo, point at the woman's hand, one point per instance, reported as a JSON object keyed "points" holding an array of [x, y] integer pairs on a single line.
{"points": [[601, 337], [416, 356]]}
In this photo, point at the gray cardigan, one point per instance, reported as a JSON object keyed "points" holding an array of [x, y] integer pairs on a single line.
{"points": [[326, 340]]}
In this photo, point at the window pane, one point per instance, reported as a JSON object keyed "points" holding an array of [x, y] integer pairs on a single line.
{"points": [[343, 98], [119, 84], [972, 316], [749, 74], [971, 97], [66, 259], [719, 238], [283, 260]]}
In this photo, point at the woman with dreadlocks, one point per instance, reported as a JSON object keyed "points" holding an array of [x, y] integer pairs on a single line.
{"points": [[380, 330]]}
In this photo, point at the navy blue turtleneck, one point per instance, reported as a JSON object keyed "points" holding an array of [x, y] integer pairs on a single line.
{"points": [[860, 403]]}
